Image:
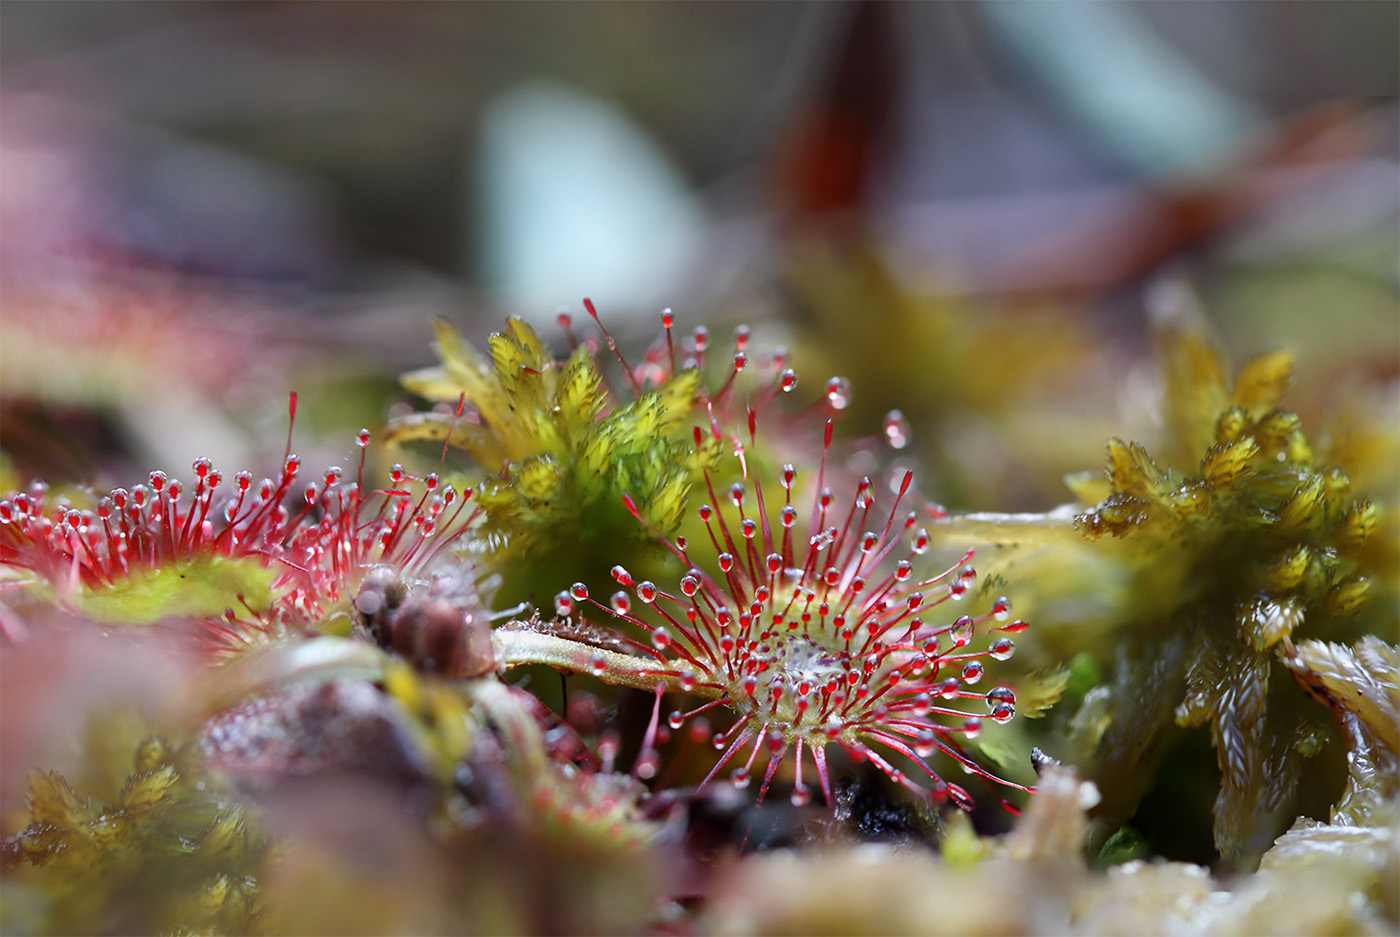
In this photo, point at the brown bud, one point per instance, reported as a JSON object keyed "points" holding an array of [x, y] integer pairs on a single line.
{"points": [[437, 636]]}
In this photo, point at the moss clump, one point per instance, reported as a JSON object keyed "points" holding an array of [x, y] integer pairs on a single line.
{"points": [[1260, 538], [559, 452], [166, 855]]}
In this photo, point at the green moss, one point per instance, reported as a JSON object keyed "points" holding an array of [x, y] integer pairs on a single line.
{"points": [[165, 855], [1262, 539], [558, 452]]}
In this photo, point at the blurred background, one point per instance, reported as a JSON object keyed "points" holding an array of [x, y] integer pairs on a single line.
{"points": [[961, 206]]}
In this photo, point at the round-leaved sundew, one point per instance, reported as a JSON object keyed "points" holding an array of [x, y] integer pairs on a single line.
{"points": [[815, 631]]}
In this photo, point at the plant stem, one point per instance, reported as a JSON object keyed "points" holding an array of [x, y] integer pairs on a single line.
{"points": [[516, 648]]}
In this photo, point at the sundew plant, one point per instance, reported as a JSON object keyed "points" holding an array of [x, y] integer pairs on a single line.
{"points": [[658, 638]]}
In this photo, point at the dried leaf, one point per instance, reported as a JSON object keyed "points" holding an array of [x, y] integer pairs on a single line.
{"points": [[1362, 682]]}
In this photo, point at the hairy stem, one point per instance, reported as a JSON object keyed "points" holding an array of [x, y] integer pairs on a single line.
{"points": [[516, 648]]}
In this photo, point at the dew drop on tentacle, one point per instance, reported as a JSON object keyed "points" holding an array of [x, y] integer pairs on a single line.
{"points": [[961, 631], [1001, 695], [608, 747], [1002, 649], [838, 393], [646, 765], [896, 430], [787, 380], [563, 605]]}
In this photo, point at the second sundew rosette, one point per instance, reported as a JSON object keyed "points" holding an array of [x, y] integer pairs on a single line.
{"points": [[817, 617]]}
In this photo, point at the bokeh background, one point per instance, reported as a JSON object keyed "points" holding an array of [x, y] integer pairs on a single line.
{"points": [[962, 206]]}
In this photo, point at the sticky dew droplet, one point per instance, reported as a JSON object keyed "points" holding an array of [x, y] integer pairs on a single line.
{"points": [[838, 393], [896, 430]]}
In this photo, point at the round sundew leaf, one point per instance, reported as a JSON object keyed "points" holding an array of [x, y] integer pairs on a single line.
{"points": [[202, 587]]}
